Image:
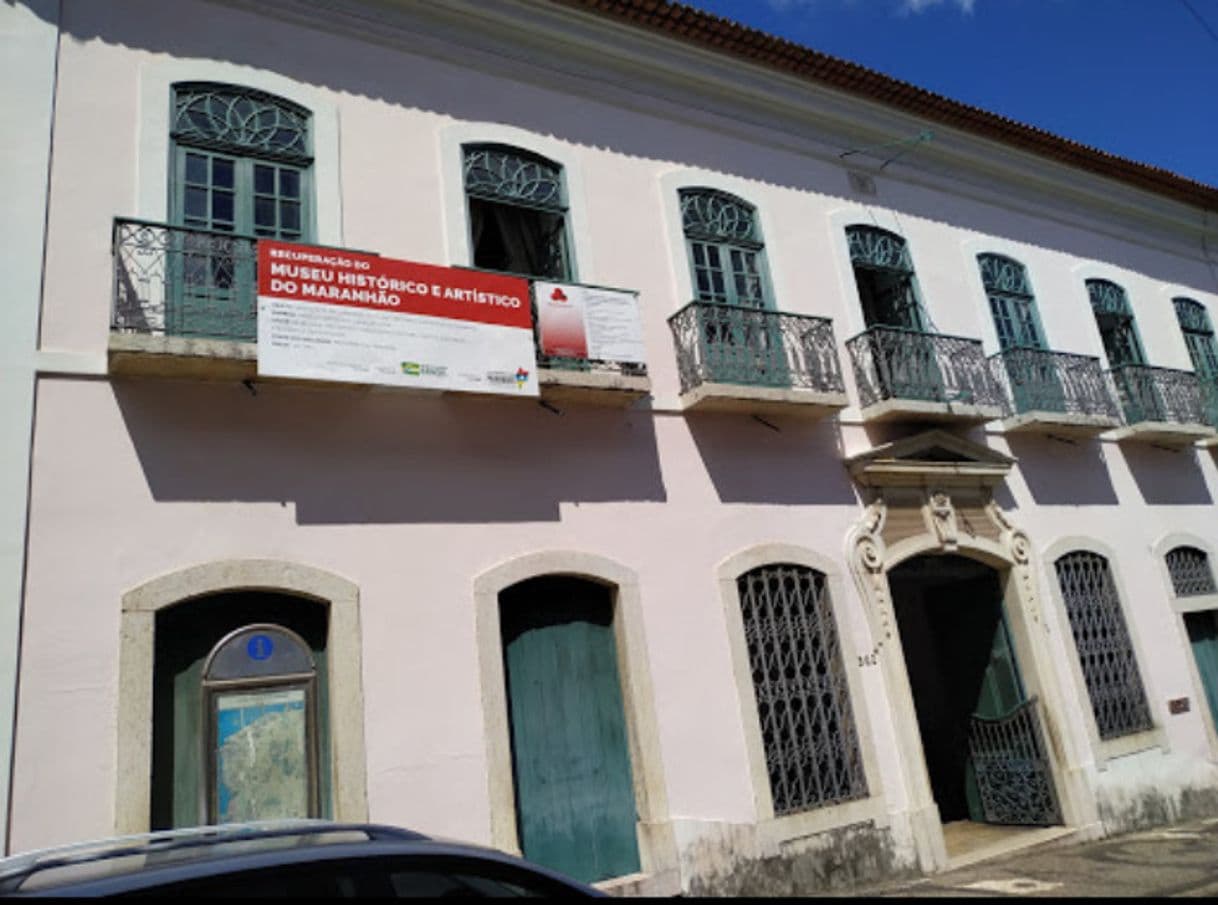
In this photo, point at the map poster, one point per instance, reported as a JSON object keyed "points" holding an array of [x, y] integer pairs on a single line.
{"points": [[326, 314], [262, 764], [588, 322]]}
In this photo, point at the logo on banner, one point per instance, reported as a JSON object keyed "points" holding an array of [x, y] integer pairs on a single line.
{"points": [[558, 295], [522, 377]]}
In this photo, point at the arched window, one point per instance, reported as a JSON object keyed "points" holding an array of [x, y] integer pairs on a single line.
{"points": [[726, 251], [1190, 572], [1102, 640], [240, 170], [241, 162], [884, 274], [260, 704], [517, 212], [1114, 317], [1199, 336], [799, 678], [1012, 303]]}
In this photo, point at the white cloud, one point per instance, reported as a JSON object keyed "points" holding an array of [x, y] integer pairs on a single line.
{"points": [[917, 6]]}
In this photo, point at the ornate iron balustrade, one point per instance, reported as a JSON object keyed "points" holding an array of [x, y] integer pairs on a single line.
{"points": [[173, 281], [750, 346], [1036, 380], [895, 363], [1011, 764], [1164, 395]]}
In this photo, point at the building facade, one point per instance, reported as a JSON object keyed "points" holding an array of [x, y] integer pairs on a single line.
{"points": [[906, 523]]}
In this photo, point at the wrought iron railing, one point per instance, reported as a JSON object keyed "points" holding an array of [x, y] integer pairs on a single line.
{"points": [[1164, 395], [1011, 763], [184, 282], [739, 345], [895, 363], [1036, 380], [174, 281]]}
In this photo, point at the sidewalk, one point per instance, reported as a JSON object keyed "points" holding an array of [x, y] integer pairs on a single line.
{"points": [[1180, 860]]}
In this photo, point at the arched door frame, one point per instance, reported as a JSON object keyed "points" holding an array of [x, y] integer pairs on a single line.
{"points": [[657, 845], [871, 559], [140, 605]]}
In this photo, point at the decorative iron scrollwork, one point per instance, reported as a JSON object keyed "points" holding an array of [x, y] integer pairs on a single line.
{"points": [[240, 119]]}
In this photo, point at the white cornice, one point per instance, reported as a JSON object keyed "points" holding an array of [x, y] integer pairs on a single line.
{"points": [[546, 44]]}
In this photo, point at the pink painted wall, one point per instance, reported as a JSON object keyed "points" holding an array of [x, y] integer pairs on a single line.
{"points": [[411, 497]]}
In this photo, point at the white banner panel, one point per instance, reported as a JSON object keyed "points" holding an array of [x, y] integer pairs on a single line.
{"points": [[342, 316], [588, 322]]}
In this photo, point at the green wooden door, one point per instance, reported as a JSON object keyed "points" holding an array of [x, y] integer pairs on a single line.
{"points": [[1203, 636], [575, 806]]}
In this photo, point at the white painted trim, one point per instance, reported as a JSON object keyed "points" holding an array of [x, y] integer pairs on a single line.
{"points": [[455, 211], [152, 158], [348, 761], [657, 844], [1103, 750], [776, 830]]}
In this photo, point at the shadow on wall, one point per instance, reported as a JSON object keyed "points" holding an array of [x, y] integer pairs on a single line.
{"points": [[774, 460], [1062, 473], [351, 456], [1169, 477]]}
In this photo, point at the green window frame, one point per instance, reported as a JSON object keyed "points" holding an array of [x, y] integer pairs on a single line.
{"points": [[725, 249], [1012, 302], [1198, 336], [242, 162], [240, 169], [1115, 320], [884, 274], [518, 212]]}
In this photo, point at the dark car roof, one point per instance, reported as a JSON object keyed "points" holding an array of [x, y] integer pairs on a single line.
{"points": [[130, 863]]}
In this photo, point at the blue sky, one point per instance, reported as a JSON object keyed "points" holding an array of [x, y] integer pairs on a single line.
{"points": [[1137, 78]]}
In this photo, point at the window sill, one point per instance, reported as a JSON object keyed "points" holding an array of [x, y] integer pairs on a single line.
{"points": [[1126, 745]]}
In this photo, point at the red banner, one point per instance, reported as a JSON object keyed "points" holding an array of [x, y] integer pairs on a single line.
{"points": [[307, 273]]}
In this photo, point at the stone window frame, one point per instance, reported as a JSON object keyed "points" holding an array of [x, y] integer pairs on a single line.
{"points": [[774, 830], [1104, 751], [140, 605]]}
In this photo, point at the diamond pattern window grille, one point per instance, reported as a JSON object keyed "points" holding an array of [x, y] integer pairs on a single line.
{"points": [[1105, 651], [1190, 572], [799, 679]]}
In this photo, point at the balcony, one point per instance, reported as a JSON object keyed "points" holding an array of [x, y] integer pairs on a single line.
{"points": [[908, 375], [186, 305], [732, 358], [185, 302], [1054, 393], [1163, 405]]}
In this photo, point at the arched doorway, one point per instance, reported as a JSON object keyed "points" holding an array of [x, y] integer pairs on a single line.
{"points": [[985, 753], [245, 668], [571, 767]]}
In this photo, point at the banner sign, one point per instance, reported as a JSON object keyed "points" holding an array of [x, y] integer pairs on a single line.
{"points": [[588, 322], [325, 314]]}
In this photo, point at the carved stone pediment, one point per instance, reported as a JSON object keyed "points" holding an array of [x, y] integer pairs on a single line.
{"points": [[934, 458]]}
